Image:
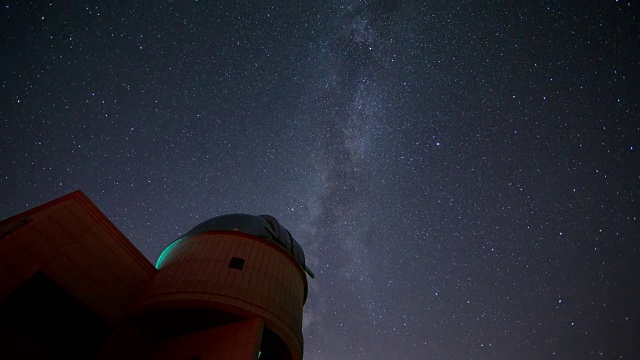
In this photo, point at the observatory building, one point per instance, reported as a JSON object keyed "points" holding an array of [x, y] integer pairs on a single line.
{"points": [[73, 286]]}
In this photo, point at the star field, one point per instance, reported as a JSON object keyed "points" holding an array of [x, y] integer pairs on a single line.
{"points": [[463, 177]]}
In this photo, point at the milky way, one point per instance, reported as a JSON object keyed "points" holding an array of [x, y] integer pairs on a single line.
{"points": [[463, 177], [349, 120]]}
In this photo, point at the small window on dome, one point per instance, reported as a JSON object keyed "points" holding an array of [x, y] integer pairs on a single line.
{"points": [[236, 263]]}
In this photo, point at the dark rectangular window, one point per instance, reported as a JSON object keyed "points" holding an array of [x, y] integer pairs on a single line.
{"points": [[236, 263]]}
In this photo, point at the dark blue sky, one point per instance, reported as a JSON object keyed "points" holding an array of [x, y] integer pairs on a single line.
{"points": [[463, 176]]}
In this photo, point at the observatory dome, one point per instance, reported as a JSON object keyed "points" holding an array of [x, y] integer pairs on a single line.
{"points": [[265, 227]]}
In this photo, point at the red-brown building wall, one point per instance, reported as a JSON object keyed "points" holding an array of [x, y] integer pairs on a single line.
{"points": [[73, 243], [237, 341]]}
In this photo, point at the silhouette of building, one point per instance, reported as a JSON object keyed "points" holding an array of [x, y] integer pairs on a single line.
{"points": [[73, 286]]}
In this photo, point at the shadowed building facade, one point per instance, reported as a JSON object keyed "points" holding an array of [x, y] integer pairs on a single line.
{"points": [[73, 286]]}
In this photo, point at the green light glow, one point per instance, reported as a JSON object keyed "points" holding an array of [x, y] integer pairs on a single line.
{"points": [[166, 252], [259, 353]]}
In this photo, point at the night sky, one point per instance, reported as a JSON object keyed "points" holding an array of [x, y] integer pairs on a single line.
{"points": [[464, 177]]}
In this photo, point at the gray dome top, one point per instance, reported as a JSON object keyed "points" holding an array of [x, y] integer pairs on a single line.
{"points": [[265, 227]]}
